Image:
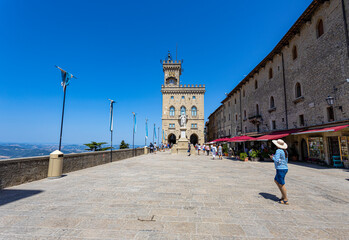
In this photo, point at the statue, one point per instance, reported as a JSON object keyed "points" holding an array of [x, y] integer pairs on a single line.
{"points": [[183, 120]]}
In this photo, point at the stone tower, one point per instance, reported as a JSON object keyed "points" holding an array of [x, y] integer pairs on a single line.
{"points": [[177, 100]]}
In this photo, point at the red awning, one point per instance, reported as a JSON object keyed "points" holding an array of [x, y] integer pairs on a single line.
{"points": [[221, 140], [276, 135], [241, 139], [319, 130]]}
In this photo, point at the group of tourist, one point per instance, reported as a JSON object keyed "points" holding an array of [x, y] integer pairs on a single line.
{"points": [[280, 162]]}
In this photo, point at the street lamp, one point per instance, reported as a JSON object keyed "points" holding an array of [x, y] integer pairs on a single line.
{"points": [[66, 77], [330, 100], [111, 129], [134, 130]]}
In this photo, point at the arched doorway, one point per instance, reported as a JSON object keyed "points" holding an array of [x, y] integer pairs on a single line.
{"points": [[194, 139], [171, 139], [304, 150]]}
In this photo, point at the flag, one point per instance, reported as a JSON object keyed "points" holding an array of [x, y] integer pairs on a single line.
{"points": [[135, 123], [163, 135], [111, 115], [66, 77], [154, 131], [146, 128]]}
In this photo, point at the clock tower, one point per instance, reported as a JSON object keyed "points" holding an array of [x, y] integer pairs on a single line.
{"points": [[179, 100]]}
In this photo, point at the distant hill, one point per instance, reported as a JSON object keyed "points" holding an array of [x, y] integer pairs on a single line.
{"points": [[19, 150]]}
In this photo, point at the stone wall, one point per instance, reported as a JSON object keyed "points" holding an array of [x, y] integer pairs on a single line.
{"points": [[20, 170]]}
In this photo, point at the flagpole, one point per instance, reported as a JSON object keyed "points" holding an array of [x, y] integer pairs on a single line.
{"points": [[159, 136], [60, 136], [111, 129], [153, 132], [133, 139], [146, 130]]}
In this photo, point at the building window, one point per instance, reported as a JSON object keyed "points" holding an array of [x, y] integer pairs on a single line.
{"points": [[172, 97], [301, 120], [330, 114], [172, 125], [229, 104], [172, 111], [258, 128], [255, 84], [236, 117], [229, 116], [243, 93], [182, 97], [245, 129], [194, 125], [273, 124], [294, 52], [298, 90], [320, 28], [235, 100], [193, 111], [244, 114], [183, 110], [194, 97], [270, 73], [229, 132], [257, 109], [272, 103]]}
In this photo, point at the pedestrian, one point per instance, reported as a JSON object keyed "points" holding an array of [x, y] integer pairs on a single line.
{"points": [[220, 152], [214, 150], [189, 148], [151, 146], [208, 150], [203, 149], [199, 148], [280, 161], [155, 147]]}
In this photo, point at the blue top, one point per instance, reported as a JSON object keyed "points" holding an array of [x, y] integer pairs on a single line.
{"points": [[280, 160]]}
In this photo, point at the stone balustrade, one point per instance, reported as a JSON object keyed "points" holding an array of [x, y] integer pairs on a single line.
{"points": [[21, 170]]}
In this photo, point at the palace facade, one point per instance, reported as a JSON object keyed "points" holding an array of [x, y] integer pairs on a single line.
{"points": [[303, 83], [179, 99]]}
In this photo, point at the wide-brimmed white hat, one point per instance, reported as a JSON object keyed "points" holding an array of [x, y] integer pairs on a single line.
{"points": [[280, 143]]}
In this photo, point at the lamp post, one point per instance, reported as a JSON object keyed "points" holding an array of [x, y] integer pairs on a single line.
{"points": [[134, 129], [330, 100], [66, 77], [111, 129]]}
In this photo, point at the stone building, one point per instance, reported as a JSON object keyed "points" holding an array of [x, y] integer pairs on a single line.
{"points": [[180, 99], [291, 87]]}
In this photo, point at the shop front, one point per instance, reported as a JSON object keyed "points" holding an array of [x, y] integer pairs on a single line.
{"points": [[323, 145]]}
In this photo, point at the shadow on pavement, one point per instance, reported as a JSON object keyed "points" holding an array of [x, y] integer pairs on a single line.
{"points": [[12, 195], [269, 196]]}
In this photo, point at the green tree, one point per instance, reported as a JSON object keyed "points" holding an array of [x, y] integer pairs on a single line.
{"points": [[124, 145], [96, 146]]}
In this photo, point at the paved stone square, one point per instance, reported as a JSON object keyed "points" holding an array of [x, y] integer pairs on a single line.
{"points": [[167, 196]]}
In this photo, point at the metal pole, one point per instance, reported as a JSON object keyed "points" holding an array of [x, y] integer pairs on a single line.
{"points": [[111, 129], [153, 132], [60, 137], [133, 139], [159, 135]]}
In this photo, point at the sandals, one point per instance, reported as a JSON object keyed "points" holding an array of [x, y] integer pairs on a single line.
{"points": [[283, 202]]}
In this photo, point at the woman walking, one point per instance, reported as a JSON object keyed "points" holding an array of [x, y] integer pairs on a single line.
{"points": [[280, 161], [220, 152], [214, 150]]}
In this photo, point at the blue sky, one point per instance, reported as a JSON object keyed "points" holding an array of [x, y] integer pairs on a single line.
{"points": [[114, 48]]}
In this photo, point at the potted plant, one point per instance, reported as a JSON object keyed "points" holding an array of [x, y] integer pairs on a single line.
{"points": [[255, 155], [225, 150], [243, 156]]}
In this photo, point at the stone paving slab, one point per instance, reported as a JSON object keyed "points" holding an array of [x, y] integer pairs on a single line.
{"points": [[163, 196]]}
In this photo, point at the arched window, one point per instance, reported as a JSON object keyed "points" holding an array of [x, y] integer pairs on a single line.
{"points": [[172, 111], [255, 84], [294, 52], [270, 73], [298, 90], [272, 103], [193, 111], [319, 28], [183, 110], [257, 109], [171, 81]]}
